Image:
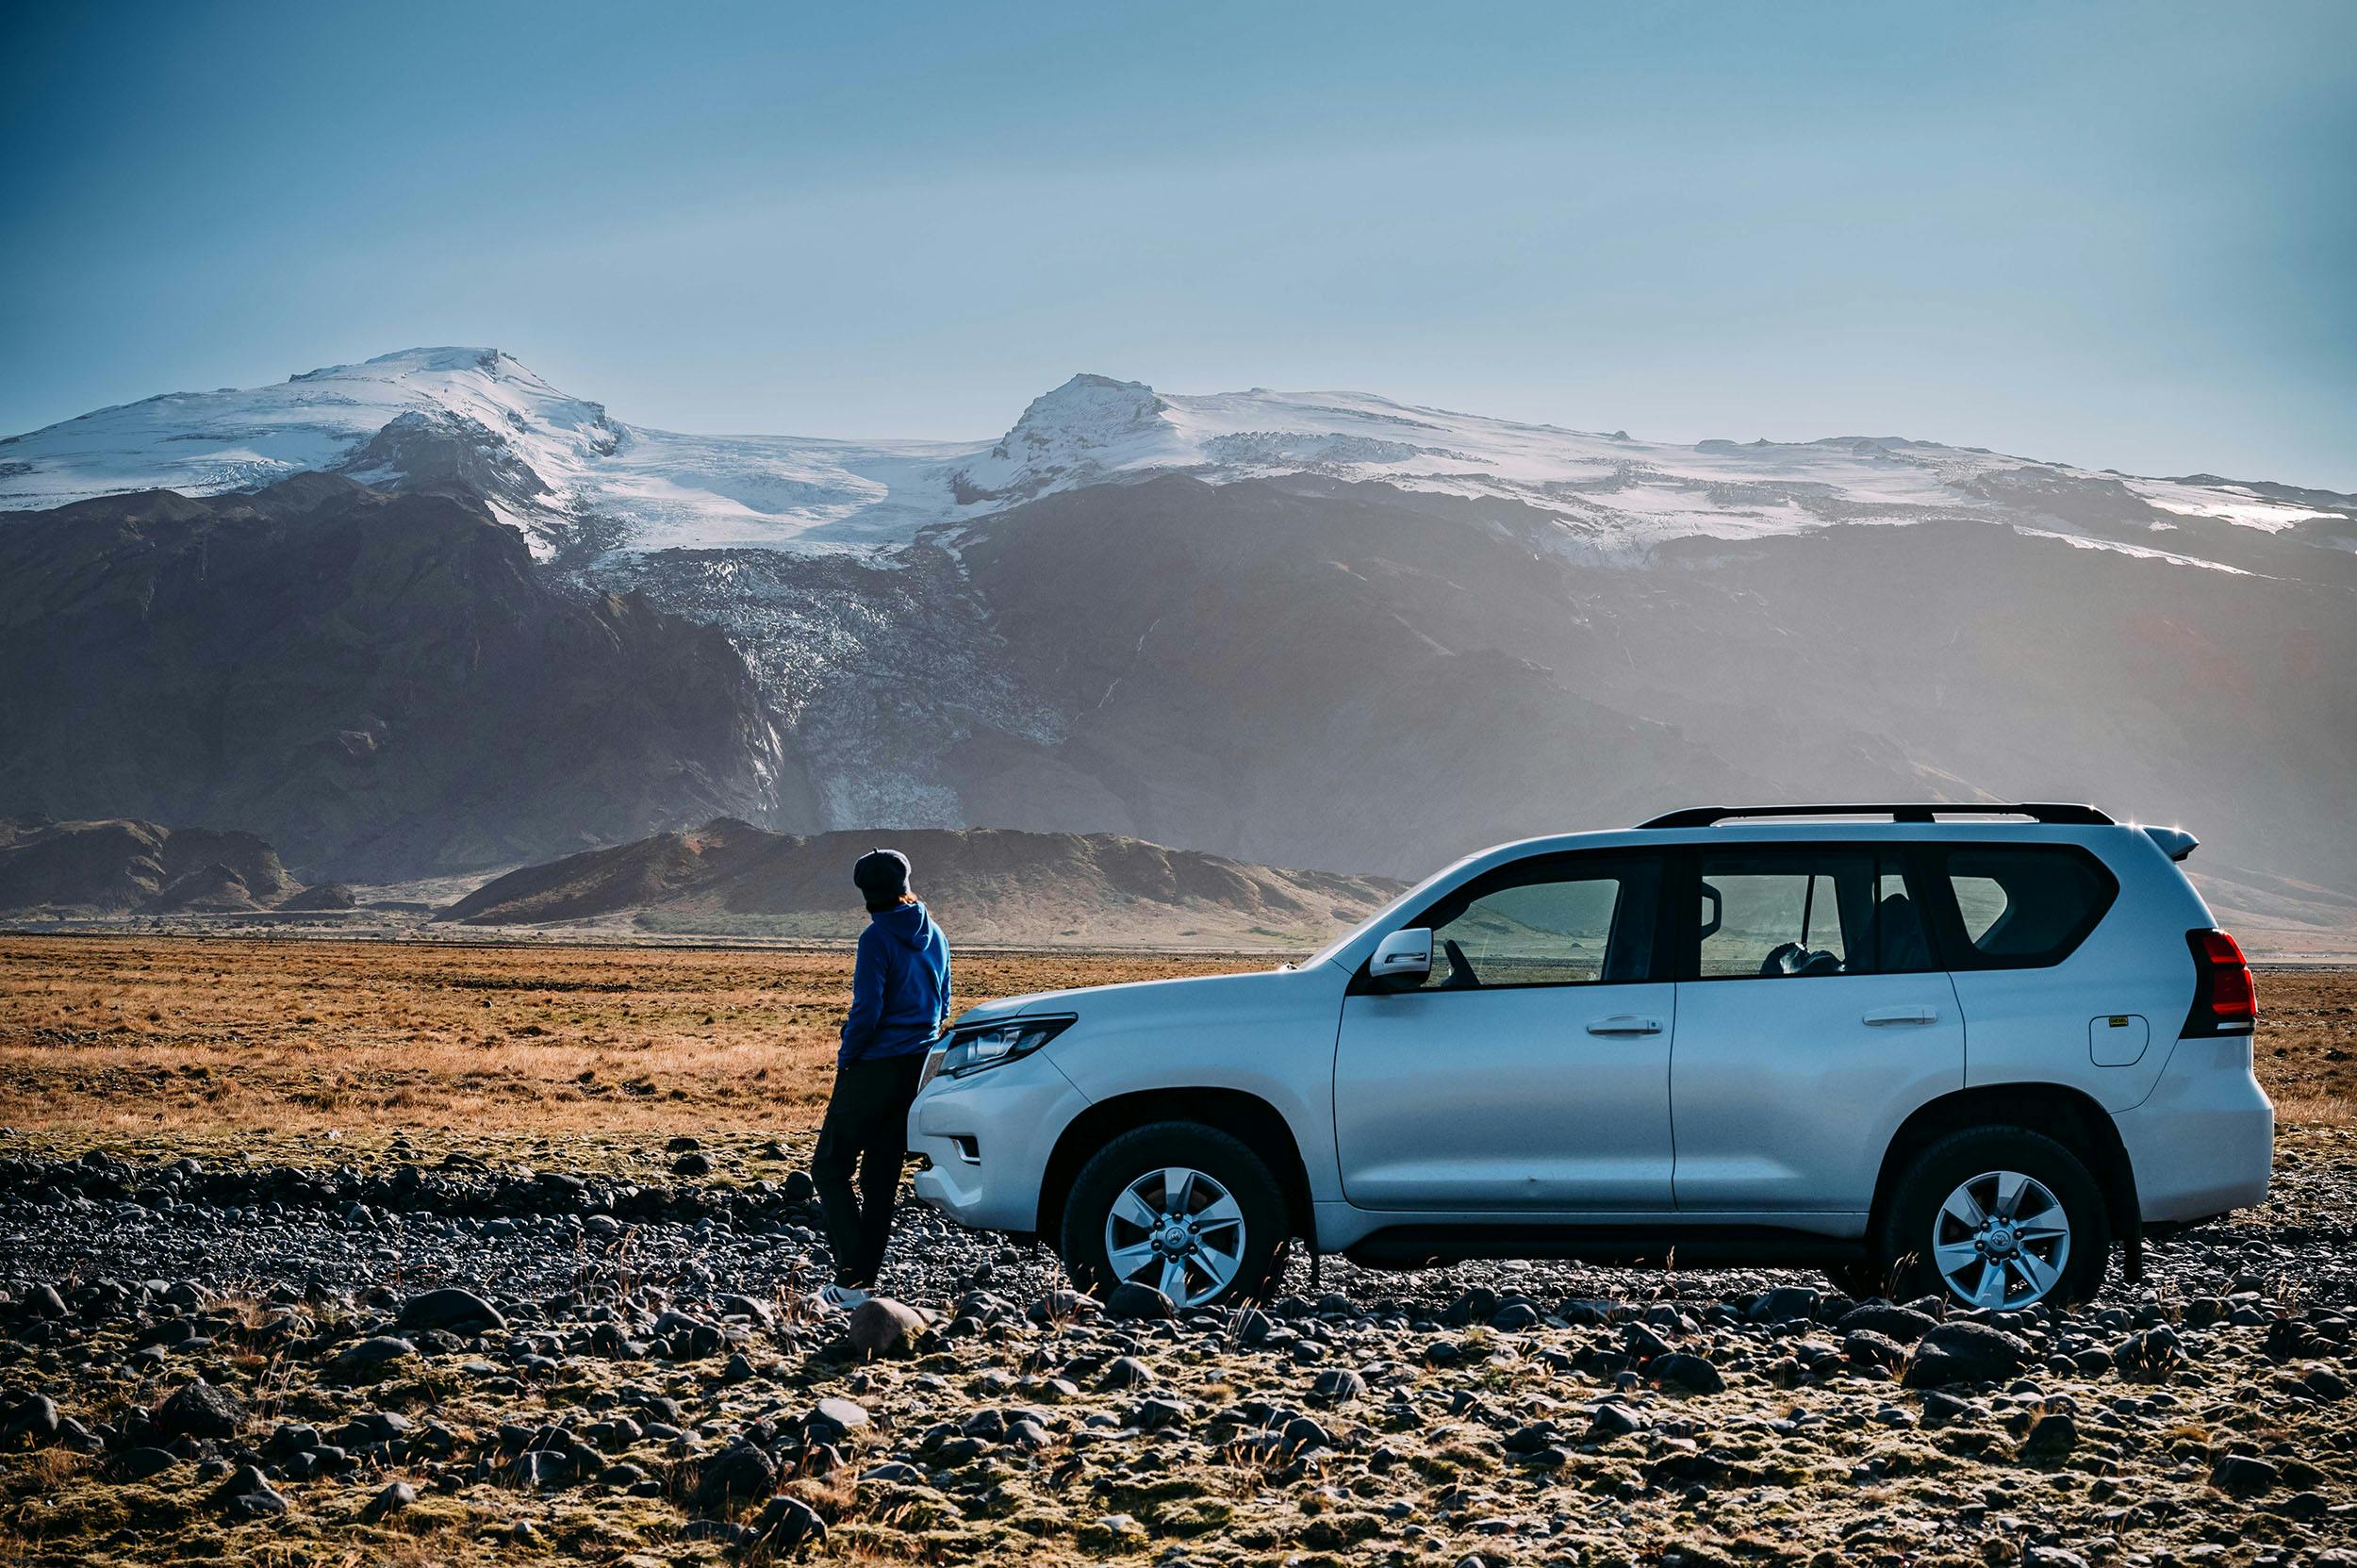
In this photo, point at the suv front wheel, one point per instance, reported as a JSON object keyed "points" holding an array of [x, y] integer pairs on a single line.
{"points": [[1998, 1218], [1184, 1208]]}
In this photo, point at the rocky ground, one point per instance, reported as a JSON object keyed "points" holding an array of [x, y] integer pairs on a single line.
{"points": [[436, 1355]]}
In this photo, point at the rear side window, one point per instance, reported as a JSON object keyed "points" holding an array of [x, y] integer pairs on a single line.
{"points": [[2025, 906], [1807, 912]]}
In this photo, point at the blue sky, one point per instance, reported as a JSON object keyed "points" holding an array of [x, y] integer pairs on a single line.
{"points": [[2123, 235]]}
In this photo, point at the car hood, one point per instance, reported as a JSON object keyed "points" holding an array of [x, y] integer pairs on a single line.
{"points": [[1094, 1003]]}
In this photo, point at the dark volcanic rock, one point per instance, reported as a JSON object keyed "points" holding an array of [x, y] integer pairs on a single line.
{"points": [[1965, 1352], [1691, 1373], [1134, 1300], [458, 1310], [738, 1471], [1903, 1323], [200, 1409], [883, 1327]]}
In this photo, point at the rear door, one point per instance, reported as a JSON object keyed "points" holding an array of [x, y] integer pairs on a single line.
{"points": [[1812, 1018], [1531, 1071]]}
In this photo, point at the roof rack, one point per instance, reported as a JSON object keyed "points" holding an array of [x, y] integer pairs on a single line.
{"points": [[1917, 811]]}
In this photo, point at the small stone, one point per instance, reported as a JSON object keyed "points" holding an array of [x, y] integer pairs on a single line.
{"points": [[1692, 1373], [2051, 1437], [1152, 1415], [881, 1325], [396, 1496], [138, 1464], [36, 1418], [1477, 1305], [1126, 1372], [1903, 1323], [373, 1359], [1338, 1386], [740, 1470], [1302, 1433], [456, 1310], [786, 1523], [1134, 1298], [832, 1419], [1613, 1419], [543, 1469], [2243, 1475], [247, 1494], [200, 1409], [1785, 1304], [692, 1164], [800, 1188], [1960, 1351]]}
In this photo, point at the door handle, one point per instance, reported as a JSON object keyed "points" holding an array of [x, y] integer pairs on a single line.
{"points": [[1625, 1023], [1902, 1016]]}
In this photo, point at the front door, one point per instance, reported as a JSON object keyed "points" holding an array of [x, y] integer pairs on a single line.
{"points": [[1531, 1071], [1812, 1019]]}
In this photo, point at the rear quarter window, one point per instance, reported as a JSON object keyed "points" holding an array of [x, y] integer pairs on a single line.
{"points": [[2024, 906]]}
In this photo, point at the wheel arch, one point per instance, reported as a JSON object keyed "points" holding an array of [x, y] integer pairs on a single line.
{"points": [[1248, 1118], [2069, 1117]]}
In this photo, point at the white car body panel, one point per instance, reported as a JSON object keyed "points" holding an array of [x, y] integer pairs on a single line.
{"points": [[1463, 1101], [1786, 1095]]}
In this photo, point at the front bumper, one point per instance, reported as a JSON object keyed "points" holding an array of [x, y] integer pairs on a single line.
{"points": [[2202, 1143], [987, 1139]]}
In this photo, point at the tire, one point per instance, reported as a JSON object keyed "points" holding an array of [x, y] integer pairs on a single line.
{"points": [[1931, 1250], [1236, 1206]]}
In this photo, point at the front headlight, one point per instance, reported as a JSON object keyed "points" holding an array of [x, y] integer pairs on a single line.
{"points": [[970, 1048]]}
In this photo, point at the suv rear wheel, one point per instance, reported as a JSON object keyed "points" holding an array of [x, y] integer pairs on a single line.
{"points": [[1998, 1218], [1184, 1208]]}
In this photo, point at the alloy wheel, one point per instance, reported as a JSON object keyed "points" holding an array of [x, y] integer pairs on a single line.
{"points": [[1180, 1231], [2000, 1240]]}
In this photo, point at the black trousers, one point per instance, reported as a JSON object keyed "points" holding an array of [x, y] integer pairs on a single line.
{"points": [[867, 1124]]}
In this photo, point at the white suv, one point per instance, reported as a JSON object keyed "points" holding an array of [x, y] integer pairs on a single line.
{"points": [[1936, 1050]]}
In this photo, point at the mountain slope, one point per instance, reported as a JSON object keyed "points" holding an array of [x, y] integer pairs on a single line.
{"points": [[124, 868], [730, 878], [380, 683]]}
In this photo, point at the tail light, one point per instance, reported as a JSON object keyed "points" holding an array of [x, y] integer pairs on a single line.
{"points": [[2224, 1001]]}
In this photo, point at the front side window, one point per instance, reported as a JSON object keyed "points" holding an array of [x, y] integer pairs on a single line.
{"points": [[1808, 913], [1561, 921]]}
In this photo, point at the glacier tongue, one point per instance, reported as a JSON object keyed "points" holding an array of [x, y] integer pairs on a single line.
{"points": [[567, 474]]}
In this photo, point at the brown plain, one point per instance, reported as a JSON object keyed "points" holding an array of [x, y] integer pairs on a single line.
{"points": [[278, 1044]]}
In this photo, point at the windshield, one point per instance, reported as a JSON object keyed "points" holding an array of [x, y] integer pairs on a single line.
{"points": [[1383, 917]]}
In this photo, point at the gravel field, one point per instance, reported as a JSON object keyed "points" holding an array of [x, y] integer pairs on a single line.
{"points": [[399, 1362], [438, 1345]]}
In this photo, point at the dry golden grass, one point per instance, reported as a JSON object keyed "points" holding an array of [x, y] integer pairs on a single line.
{"points": [[135, 1038], [127, 1036], [2307, 1046]]}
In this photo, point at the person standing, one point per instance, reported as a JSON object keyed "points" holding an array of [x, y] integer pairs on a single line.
{"points": [[900, 1004]]}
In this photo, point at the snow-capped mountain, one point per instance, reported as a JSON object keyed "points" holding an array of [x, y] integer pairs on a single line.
{"points": [[564, 470], [547, 462], [1299, 629]]}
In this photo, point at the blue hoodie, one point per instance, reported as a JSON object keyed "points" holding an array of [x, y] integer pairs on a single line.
{"points": [[901, 987]]}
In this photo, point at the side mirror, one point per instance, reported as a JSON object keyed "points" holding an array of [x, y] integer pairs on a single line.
{"points": [[1404, 956]]}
